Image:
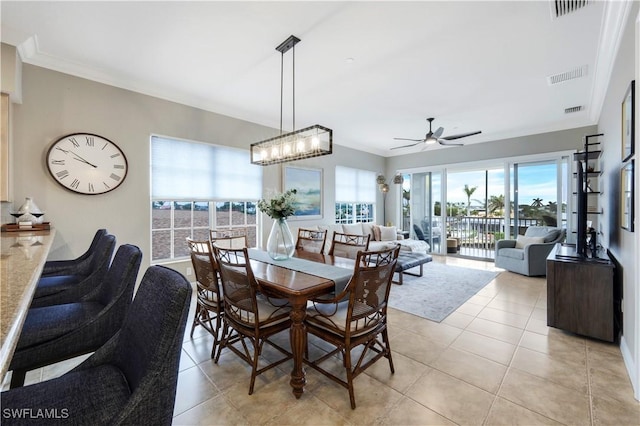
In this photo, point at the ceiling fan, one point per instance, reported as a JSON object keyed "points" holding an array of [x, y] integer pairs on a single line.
{"points": [[433, 137]]}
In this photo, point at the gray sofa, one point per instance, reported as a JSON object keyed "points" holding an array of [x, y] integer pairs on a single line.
{"points": [[527, 255]]}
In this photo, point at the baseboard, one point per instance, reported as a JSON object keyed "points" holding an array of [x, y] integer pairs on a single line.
{"points": [[632, 368]]}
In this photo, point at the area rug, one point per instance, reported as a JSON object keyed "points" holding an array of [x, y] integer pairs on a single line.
{"points": [[441, 290]]}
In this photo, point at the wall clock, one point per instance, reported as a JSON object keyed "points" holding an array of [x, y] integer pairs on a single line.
{"points": [[86, 163]]}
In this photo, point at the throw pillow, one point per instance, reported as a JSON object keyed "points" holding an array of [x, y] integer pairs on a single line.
{"points": [[353, 229], [388, 233], [522, 241], [367, 229], [376, 232]]}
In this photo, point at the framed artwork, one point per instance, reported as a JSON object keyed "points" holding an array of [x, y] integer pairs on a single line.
{"points": [[308, 184], [626, 196], [628, 125]]}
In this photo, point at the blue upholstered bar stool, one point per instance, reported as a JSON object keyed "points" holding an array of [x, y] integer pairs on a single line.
{"points": [[55, 333], [68, 288], [79, 265], [132, 378]]}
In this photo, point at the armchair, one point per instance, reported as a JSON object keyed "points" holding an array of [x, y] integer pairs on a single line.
{"points": [[527, 255]]}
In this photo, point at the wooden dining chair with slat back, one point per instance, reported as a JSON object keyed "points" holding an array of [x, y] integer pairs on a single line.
{"points": [[209, 301], [234, 238], [355, 317], [348, 245], [311, 240], [249, 315]]}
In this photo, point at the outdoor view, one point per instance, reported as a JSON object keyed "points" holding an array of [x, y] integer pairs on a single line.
{"points": [[475, 204]]}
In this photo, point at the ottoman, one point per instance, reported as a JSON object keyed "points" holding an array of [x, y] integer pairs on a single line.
{"points": [[408, 260]]}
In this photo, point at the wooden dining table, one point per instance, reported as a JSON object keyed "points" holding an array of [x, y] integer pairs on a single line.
{"points": [[298, 288]]}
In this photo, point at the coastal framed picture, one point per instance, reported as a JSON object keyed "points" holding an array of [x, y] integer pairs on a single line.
{"points": [[627, 196], [628, 124], [308, 184]]}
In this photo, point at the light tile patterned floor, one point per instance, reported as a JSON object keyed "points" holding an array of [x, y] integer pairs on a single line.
{"points": [[492, 362]]}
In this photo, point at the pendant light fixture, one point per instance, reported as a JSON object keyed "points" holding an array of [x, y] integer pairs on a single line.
{"points": [[309, 142]]}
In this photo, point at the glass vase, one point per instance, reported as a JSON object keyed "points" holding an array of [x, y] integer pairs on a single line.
{"points": [[280, 244]]}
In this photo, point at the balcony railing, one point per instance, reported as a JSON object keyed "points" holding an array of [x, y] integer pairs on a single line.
{"points": [[476, 235]]}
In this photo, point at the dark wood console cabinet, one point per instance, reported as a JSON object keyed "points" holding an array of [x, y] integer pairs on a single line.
{"points": [[580, 294]]}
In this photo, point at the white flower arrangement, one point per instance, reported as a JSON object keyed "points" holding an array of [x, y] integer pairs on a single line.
{"points": [[280, 206]]}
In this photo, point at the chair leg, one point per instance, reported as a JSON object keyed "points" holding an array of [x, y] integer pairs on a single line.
{"points": [[223, 341], [347, 364], [17, 378], [385, 339], [256, 356], [195, 319]]}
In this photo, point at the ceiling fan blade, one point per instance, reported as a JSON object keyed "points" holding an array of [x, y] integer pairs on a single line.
{"points": [[405, 139], [438, 132], [447, 143], [406, 146], [461, 135]]}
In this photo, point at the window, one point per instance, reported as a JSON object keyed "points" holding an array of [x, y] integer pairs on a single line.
{"points": [[196, 187], [355, 195]]}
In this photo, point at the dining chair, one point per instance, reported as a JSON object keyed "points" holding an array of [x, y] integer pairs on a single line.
{"points": [[311, 240], [348, 245], [55, 333], [357, 316], [248, 313], [71, 287], [79, 265], [209, 307], [234, 238], [130, 380]]}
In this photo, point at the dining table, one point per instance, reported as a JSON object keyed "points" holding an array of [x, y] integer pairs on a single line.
{"points": [[22, 257], [299, 279]]}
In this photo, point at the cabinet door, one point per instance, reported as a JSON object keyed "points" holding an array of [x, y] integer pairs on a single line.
{"points": [[582, 295]]}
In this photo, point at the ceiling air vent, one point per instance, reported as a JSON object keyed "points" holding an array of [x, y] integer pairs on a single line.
{"points": [[573, 109], [574, 73], [564, 7]]}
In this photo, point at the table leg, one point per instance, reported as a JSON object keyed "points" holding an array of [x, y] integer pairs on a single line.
{"points": [[298, 335]]}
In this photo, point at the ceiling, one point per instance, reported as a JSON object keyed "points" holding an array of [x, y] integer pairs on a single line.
{"points": [[371, 71]]}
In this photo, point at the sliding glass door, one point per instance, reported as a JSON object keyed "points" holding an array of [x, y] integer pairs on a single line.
{"points": [[473, 207], [539, 192], [475, 210], [423, 199]]}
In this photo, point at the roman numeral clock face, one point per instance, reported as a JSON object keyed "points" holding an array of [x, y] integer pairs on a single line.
{"points": [[86, 163]]}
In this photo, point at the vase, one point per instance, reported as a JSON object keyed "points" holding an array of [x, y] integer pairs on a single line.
{"points": [[280, 244], [29, 212]]}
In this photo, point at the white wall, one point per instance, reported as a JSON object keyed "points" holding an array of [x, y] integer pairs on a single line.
{"points": [[621, 242]]}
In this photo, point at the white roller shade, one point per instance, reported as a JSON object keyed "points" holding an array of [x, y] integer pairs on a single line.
{"points": [[199, 171], [355, 185]]}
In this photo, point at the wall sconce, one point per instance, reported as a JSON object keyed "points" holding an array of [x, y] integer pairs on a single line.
{"points": [[383, 187]]}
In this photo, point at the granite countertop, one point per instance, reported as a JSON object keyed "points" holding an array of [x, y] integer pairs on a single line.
{"points": [[21, 261]]}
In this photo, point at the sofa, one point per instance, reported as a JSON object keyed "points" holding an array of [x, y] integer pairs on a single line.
{"points": [[382, 237], [527, 255]]}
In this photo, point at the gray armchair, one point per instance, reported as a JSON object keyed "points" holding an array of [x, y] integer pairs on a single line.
{"points": [[528, 254]]}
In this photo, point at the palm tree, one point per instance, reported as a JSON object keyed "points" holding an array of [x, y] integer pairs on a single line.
{"points": [[537, 202], [496, 203], [469, 192]]}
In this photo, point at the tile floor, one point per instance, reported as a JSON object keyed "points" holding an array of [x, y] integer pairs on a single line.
{"points": [[492, 362]]}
